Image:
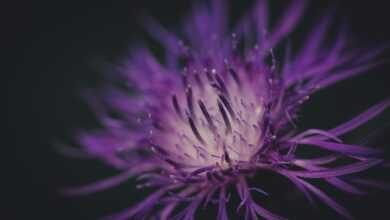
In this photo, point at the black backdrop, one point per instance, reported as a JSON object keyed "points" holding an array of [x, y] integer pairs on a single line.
{"points": [[56, 47]]}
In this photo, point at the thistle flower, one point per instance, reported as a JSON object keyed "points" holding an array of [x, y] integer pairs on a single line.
{"points": [[222, 108]]}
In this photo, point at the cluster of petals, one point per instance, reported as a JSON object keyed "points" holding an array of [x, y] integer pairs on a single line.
{"points": [[223, 107]]}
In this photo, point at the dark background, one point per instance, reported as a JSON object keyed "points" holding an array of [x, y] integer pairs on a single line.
{"points": [[54, 48]]}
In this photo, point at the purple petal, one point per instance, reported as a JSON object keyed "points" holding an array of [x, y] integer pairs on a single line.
{"points": [[100, 185], [143, 206], [346, 73], [339, 171], [342, 185], [349, 150], [287, 23], [265, 213], [163, 36], [361, 118], [316, 161], [299, 185], [371, 183], [310, 132], [313, 43], [222, 214], [326, 199], [168, 209]]}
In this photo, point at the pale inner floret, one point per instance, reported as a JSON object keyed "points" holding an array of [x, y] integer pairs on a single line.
{"points": [[212, 125]]}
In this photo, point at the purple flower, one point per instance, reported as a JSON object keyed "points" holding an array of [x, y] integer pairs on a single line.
{"points": [[222, 108]]}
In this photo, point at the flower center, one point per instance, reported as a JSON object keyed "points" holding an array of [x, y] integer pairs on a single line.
{"points": [[214, 120]]}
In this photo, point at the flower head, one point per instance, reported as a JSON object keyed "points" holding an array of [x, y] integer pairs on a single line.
{"points": [[221, 108]]}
